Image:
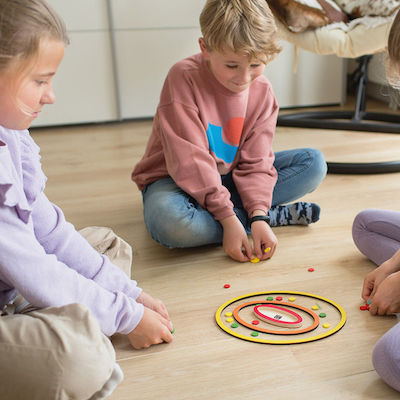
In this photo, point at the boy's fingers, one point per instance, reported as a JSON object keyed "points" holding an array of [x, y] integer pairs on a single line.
{"points": [[248, 250], [257, 245], [260, 252], [241, 256], [267, 251]]}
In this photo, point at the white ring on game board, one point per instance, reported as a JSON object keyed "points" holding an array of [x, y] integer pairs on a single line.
{"points": [[295, 320]]}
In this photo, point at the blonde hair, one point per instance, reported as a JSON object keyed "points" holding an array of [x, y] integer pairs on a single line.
{"points": [[241, 26], [393, 56], [23, 25]]}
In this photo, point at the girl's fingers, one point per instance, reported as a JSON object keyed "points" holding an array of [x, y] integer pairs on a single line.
{"points": [[167, 336]]}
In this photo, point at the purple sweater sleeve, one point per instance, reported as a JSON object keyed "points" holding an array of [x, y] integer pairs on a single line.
{"points": [[59, 237], [46, 281], [44, 258]]}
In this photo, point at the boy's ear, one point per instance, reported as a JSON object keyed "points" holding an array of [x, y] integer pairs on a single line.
{"points": [[203, 48]]}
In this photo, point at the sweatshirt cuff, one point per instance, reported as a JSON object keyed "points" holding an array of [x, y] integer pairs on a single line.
{"points": [[255, 207], [224, 214], [134, 290], [136, 315]]}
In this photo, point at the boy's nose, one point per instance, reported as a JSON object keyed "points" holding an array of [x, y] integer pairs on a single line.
{"points": [[245, 77]]}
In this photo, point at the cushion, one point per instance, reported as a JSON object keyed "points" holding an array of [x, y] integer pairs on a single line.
{"points": [[362, 39], [302, 15], [362, 8]]}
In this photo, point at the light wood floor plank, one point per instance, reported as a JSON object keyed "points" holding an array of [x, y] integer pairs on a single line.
{"points": [[89, 177]]}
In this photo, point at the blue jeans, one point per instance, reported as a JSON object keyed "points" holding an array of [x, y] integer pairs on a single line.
{"points": [[175, 219]]}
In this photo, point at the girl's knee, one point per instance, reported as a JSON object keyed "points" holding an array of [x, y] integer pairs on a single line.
{"points": [[86, 356], [65, 355], [358, 225], [362, 217], [386, 357], [359, 228]]}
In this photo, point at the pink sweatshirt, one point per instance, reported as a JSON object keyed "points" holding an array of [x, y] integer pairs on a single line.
{"points": [[202, 130]]}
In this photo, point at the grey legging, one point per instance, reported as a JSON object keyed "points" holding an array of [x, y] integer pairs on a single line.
{"points": [[376, 233]]}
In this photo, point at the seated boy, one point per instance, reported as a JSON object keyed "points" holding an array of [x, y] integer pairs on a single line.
{"points": [[209, 174]]}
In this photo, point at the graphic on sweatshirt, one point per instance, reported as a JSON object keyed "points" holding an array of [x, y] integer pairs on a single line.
{"points": [[225, 142]]}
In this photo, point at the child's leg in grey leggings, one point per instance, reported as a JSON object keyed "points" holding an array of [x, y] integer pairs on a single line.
{"points": [[376, 233], [386, 357]]}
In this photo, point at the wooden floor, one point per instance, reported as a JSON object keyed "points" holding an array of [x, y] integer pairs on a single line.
{"points": [[89, 177]]}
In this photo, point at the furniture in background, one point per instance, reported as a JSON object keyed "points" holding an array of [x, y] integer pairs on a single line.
{"points": [[121, 51], [352, 44], [358, 39]]}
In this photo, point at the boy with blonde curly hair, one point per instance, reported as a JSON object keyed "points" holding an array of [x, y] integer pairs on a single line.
{"points": [[209, 174]]}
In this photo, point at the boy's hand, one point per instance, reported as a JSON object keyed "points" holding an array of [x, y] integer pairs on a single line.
{"points": [[263, 238], [386, 299], [152, 329], [235, 241]]}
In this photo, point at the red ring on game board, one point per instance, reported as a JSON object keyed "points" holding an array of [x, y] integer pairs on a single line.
{"points": [[280, 303], [296, 323]]}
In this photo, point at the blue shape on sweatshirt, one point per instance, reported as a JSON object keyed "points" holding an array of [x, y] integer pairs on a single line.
{"points": [[222, 150]]}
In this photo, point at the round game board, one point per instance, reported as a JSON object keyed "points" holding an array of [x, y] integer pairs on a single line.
{"points": [[280, 317]]}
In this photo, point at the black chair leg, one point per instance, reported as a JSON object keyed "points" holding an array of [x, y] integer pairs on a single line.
{"points": [[359, 120]]}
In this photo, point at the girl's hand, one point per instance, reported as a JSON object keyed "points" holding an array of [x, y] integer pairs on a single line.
{"points": [[386, 299], [152, 329], [154, 304], [376, 277], [263, 238], [235, 241]]}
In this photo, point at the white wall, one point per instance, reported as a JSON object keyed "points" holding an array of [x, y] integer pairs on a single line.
{"points": [[121, 51]]}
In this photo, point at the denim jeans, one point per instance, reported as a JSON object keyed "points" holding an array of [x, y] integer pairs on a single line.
{"points": [[176, 220]]}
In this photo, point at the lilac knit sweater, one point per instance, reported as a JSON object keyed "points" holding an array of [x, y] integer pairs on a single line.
{"points": [[43, 257]]}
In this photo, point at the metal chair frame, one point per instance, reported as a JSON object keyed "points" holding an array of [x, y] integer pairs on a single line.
{"points": [[357, 120]]}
